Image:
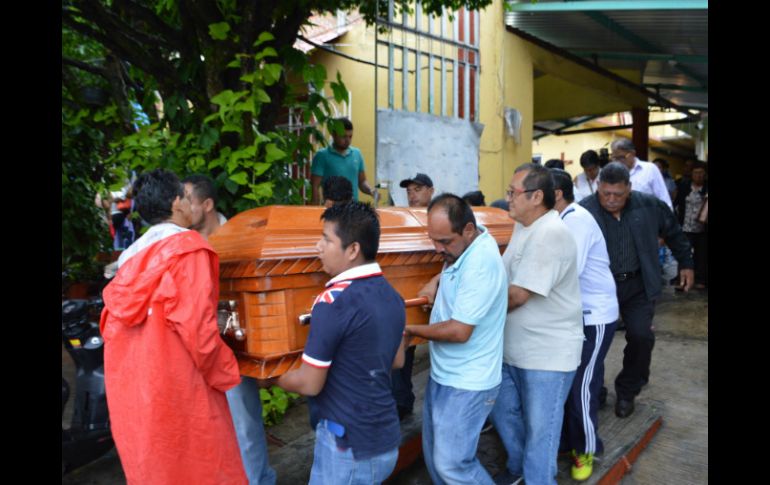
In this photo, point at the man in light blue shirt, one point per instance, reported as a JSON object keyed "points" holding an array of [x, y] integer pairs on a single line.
{"points": [[466, 342]]}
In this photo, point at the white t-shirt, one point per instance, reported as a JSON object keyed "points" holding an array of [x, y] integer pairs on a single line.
{"points": [[546, 332], [583, 188], [597, 286]]}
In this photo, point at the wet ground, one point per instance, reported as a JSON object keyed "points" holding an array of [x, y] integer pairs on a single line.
{"points": [[677, 391]]}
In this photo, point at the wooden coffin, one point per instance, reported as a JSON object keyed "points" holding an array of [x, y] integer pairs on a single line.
{"points": [[270, 274]]}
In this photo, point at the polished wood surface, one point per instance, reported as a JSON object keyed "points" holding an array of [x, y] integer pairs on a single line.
{"points": [[269, 266]]}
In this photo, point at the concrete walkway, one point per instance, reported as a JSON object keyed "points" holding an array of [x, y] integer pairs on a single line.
{"points": [[677, 391]]}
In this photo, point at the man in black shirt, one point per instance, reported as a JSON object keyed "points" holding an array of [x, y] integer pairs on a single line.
{"points": [[631, 222]]}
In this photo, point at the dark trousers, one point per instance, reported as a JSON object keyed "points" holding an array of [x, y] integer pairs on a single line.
{"points": [[581, 420], [637, 312], [401, 380], [699, 243]]}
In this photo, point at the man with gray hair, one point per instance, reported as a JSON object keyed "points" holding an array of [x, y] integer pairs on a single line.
{"points": [[631, 222], [543, 336], [645, 176]]}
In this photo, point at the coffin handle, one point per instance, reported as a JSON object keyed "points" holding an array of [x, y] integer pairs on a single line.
{"points": [[304, 319], [423, 300]]}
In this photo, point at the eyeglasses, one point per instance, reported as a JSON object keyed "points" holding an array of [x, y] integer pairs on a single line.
{"points": [[510, 194]]}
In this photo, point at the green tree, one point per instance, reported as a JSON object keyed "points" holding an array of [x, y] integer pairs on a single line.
{"points": [[213, 78]]}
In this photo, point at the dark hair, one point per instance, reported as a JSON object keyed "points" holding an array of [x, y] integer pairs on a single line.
{"points": [[458, 211], [337, 189], [589, 158], [155, 192], [614, 173], [623, 144], [538, 178], [203, 187], [563, 181], [475, 198], [699, 164], [345, 123], [554, 163], [356, 222], [661, 161], [604, 157], [500, 204]]}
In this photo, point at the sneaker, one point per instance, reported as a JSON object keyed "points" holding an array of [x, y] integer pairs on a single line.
{"points": [[583, 465]]}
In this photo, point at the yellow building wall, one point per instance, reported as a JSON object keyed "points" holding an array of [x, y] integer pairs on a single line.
{"points": [[359, 79], [556, 97], [505, 80], [572, 147]]}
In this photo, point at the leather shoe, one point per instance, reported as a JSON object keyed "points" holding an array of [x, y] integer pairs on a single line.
{"points": [[624, 408]]}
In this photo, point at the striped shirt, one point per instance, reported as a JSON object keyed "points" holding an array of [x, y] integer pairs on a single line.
{"points": [[620, 243]]}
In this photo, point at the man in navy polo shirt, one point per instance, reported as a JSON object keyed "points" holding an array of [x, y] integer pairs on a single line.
{"points": [[339, 159], [355, 340]]}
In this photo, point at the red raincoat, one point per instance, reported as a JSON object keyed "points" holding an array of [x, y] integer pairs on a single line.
{"points": [[166, 368]]}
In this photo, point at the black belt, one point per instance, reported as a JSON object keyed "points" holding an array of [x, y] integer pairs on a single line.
{"points": [[625, 276]]}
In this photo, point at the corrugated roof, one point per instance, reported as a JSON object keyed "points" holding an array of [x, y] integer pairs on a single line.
{"points": [[640, 39]]}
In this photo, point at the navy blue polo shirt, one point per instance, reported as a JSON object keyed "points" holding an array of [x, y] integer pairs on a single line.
{"points": [[355, 330]]}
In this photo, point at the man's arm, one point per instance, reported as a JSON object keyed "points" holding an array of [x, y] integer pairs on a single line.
{"points": [[449, 331], [315, 181], [679, 245], [429, 290], [398, 361], [659, 187], [517, 296], [363, 185], [308, 380]]}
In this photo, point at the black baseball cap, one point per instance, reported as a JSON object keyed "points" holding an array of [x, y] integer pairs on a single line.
{"points": [[420, 179]]}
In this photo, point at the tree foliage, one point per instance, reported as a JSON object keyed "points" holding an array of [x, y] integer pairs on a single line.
{"points": [[214, 79]]}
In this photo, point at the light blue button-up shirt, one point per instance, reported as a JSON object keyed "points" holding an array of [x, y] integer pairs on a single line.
{"points": [[474, 291]]}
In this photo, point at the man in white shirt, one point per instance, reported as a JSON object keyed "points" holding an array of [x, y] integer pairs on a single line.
{"points": [[587, 182], [543, 329], [645, 176], [580, 433]]}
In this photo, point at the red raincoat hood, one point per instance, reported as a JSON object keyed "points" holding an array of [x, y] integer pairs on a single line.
{"points": [[127, 297]]}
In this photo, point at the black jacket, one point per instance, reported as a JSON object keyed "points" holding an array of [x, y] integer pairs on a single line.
{"points": [[650, 217]]}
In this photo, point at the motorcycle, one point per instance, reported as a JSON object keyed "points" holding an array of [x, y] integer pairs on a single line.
{"points": [[88, 436]]}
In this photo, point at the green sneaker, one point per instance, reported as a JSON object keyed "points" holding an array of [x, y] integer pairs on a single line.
{"points": [[583, 465]]}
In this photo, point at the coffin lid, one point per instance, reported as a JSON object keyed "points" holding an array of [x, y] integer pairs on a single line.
{"points": [[291, 232]]}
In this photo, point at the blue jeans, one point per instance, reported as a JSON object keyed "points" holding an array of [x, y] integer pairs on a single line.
{"points": [[332, 465], [528, 417], [246, 408], [452, 422]]}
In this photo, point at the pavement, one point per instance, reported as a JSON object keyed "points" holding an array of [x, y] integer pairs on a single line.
{"points": [[677, 393]]}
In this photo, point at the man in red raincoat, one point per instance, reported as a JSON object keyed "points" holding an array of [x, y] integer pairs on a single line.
{"points": [[166, 368]]}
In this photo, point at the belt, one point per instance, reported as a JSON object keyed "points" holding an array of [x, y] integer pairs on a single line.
{"points": [[625, 276]]}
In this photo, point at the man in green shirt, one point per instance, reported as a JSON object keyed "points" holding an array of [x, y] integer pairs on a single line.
{"points": [[339, 159]]}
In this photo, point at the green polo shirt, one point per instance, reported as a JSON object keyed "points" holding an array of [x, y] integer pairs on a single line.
{"points": [[327, 162]]}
